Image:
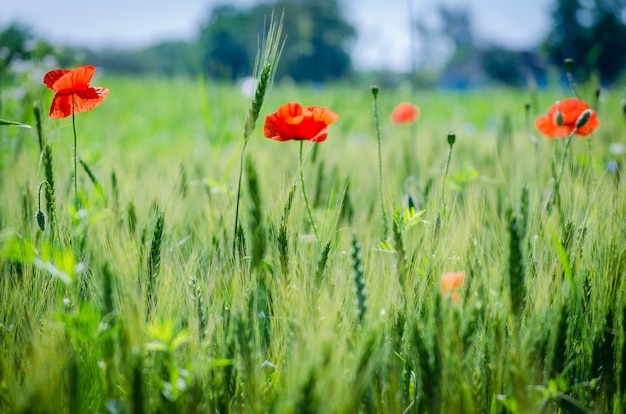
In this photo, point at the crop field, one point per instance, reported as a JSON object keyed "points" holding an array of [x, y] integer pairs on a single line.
{"points": [[460, 263]]}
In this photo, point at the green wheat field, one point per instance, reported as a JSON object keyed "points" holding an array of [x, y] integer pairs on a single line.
{"points": [[137, 302]]}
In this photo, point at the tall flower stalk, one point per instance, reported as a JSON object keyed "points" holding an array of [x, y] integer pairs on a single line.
{"points": [[264, 71], [306, 199], [72, 94], [380, 162], [76, 203], [580, 122], [293, 122], [565, 119], [451, 137]]}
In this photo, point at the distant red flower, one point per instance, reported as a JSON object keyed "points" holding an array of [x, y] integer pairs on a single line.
{"points": [[405, 113], [73, 85], [292, 121], [450, 282], [562, 118]]}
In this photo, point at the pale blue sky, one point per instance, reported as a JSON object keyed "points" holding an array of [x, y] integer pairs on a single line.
{"points": [[382, 25]]}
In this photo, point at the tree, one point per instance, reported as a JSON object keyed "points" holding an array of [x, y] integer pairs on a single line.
{"points": [[223, 41], [592, 33], [317, 39]]}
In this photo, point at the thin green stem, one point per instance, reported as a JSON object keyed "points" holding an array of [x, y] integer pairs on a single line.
{"points": [[442, 212], [380, 162], [557, 185], [243, 150], [76, 203], [306, 199]]}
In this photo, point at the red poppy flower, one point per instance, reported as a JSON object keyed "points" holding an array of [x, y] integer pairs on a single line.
{"points": [[405, 113], [72, 87], [292, 121], [450, 282], [562, 118]]}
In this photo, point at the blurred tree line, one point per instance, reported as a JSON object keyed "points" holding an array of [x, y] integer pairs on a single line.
{"points": [[319, 40]]}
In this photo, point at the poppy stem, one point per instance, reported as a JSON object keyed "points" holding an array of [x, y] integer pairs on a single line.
{"points": [[243, 150], [557, 185], [443, 189], [306, 199], [76, 203], [380, 162]]}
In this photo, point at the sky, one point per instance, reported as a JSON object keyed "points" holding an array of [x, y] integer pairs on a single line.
{"points": [[382, 25]]}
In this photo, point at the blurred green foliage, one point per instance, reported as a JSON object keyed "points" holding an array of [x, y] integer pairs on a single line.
{"points": [[593, 33]]}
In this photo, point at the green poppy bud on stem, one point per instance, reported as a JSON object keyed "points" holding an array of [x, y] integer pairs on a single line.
{"points": [[569, 64], [583, 118], [558, 118], [375, 90], [41, 220], [451, 138]]}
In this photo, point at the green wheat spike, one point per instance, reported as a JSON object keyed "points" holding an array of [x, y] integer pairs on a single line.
{"points": [[240, 239], [49, 175], [347, 209], [115, 194], [282, 238], [183, 185], [322, 260], [257, 100], [198, 298], [524, 212], [423, 365], [319, 189], [401, 263], [131, 218], [137, 384], [558, 351], [108, 288], [516, 265], [39, 127], [258, 239], [154, 264], [359, 280]]}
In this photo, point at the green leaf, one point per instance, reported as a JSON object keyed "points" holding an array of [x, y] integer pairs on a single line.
{"points": [[4, 122]]}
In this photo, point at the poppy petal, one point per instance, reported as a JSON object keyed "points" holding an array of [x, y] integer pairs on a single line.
{"points": [[404, 113], [569, 111], [571, 108], [293, 122], [51, 77], [61, 106], [274, 128], [76, 79], [89, 98]]}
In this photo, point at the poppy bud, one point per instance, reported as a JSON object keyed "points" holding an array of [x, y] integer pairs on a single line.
{"points": [[624, 106], [375, 90], [583, 118], [558, 118], [41, 220], [451, 138], [569, 63]]}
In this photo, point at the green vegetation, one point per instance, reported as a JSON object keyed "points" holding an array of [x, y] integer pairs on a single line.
{"points": [[136, 303]]}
